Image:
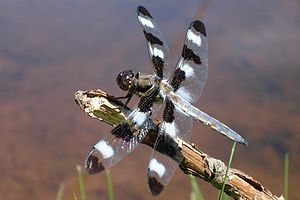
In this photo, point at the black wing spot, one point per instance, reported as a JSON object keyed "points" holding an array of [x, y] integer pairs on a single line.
{"points": [[168, 146], [152, 39], [124, 132], [199, 26], [188, 54], [144, 11], [93, 164], [158, 65], [168, 114], [178, 78], [155, 187]]}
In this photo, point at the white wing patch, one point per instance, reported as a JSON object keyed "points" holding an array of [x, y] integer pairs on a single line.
{"points": [[193, 37], [139, 118], [105, 149], [170, 129], [156, 52], [157, 167], [146, 22], [189, 71]]}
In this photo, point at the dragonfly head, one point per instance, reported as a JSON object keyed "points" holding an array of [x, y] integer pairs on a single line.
{"points": [[126, 80]]}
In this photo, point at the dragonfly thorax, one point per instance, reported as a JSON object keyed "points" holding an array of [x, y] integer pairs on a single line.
{"points": [[138, 83]]}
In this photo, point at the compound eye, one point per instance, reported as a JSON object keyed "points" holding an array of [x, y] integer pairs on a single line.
{"points": [[126, 84], [124, 80]]}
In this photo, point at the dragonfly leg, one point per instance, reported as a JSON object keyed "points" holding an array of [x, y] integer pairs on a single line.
{"points": [[128, 96]]}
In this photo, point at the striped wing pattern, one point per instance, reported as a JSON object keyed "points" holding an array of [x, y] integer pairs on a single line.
{"points": [[166, 157], [123, 138], [157, 46], [187, 80], [120, 141], [191, 71]]}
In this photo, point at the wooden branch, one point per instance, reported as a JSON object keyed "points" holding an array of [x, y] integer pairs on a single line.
{"points": [[239, 185]]}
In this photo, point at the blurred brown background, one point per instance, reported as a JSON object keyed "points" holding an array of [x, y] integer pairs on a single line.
{"points": [[50, 49]]}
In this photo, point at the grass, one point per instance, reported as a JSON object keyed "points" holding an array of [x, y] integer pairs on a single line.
{"points": [[81, 185], [109, 185], [60, 192], [228, 167], [286, 176], [196, 193]]}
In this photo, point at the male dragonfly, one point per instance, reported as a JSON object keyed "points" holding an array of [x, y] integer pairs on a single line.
{"points": [[175, 89]]}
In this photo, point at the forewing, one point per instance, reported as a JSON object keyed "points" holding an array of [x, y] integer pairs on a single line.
{"points": [[190, 74], [157, 46]]}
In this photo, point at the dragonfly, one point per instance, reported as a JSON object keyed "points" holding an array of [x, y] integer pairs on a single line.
{"points": [[172, 89]]}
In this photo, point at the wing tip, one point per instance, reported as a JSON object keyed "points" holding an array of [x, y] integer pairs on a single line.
{"points": [[244, 142], [92, 163], [199, 26], [239, 140], [155, 187], [142, 10]]}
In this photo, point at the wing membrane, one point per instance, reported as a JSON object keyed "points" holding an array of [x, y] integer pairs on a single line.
{"points": [[111, 149], [160, 171], [157, 46], [163, 163], [123, 138], [175, 122], [166, 156], [119, 142], [190, 74]]}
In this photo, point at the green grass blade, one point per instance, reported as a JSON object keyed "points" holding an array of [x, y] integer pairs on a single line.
{"points": [[60, 191], [193, 196], [228, 167], [81, 185], [196, 193], [286, 176], [109, 185]]}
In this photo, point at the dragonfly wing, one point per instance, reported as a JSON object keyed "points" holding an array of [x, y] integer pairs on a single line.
{"points": [[119, 142], [176, 123], [160, 171], [190, 74], [166, 155], [157, 45]]}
